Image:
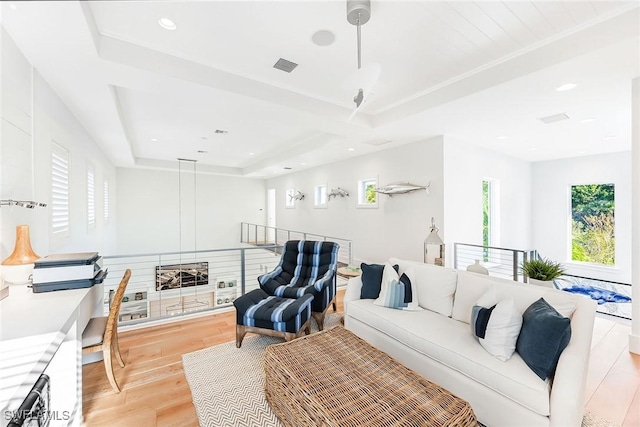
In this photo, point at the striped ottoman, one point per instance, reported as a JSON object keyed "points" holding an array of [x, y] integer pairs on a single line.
{"points": [[261, 313]]}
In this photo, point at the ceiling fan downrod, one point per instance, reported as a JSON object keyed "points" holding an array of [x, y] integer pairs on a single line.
{"points": [[358, 14]]}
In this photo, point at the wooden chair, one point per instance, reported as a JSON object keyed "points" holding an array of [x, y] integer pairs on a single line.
{"points": [[101, 334]]}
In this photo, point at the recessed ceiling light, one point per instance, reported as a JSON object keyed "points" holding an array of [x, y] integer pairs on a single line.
{"points": [[251, 154], [323, 38], [202, 151], [13, 6], [502, 138], [287, 168], [167, 24], [588, 120], [566, 86], [303, 163], [582, 152], [203, 137], [351, 149], [154, 139], [609, 137]]}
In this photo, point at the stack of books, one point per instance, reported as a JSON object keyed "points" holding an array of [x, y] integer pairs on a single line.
{"points": [[58, 272]]}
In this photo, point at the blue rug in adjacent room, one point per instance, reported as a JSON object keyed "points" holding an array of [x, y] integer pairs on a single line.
{"points": [[612, 298]]}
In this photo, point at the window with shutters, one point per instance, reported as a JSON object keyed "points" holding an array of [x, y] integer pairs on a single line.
{"points": [[59, 190], [105, 204], [91, 197]]}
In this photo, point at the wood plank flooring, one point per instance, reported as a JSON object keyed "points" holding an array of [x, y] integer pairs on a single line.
{"points": [[155, 391]]}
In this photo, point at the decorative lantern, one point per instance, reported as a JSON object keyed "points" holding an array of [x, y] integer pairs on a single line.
{"points": [[434, 247]]}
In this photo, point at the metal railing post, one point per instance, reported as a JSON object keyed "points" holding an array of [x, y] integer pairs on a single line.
{"points": [[515, 265], [242, 272], [242, 232]]}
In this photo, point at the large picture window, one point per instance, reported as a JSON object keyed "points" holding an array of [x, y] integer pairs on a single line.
{"points": [[490, 216], [593, 223]]}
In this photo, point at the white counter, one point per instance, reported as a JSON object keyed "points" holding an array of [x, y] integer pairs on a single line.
{"points": [[41, 333]]}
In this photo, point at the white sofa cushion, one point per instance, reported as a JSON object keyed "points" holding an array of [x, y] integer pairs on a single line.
{"points": [[472, 286], [435, 285], [451, 343]]}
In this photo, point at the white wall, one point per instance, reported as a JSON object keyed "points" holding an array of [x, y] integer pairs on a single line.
{"points": [[149, 214], [397, 227], [465, 167], [32, 116], [551, 209]]}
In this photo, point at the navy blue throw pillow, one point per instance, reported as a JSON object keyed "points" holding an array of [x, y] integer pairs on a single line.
{"points": [[544, 335], [404, 279], [372, 280]]}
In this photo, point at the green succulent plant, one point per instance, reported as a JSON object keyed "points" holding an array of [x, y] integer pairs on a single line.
{"points": [[542, 269]]}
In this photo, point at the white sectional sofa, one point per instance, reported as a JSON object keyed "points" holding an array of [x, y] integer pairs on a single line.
{"points": [[438, 343]]}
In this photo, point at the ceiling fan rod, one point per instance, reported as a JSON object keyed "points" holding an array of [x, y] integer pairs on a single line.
{"points": [[358, 14], [359, 42]]}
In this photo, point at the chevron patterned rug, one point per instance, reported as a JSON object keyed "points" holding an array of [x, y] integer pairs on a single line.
{"points": [[227, 383]]}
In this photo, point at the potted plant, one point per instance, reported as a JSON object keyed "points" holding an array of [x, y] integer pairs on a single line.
{"points": [[542, 271]]}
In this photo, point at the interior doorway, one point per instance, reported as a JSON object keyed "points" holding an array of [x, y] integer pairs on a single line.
{"points": [[271, 215]]}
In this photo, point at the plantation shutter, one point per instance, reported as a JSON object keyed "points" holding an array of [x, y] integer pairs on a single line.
{"points": [[91, 199], [59, 190], [106, 201]]}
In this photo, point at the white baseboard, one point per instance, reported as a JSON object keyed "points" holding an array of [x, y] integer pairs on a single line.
{"points": [[634, 343]]}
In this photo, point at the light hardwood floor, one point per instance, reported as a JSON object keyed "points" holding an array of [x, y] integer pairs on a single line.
{"points": [[155, 391]]}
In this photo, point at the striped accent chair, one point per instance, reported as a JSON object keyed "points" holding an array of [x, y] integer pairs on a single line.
{"points": [[306, 267]]}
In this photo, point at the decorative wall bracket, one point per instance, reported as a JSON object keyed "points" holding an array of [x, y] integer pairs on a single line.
{"points": [[29, 204]]}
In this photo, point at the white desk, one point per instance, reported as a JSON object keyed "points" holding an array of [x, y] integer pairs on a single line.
{"points": [[41, 333]]}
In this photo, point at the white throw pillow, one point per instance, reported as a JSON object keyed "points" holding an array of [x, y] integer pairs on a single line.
{"points": [[496, 325], [394, 290]]}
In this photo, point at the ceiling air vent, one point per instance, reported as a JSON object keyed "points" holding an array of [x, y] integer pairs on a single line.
{"points": [[554, 118], [287, 168], [284, 65], [221, 131]]}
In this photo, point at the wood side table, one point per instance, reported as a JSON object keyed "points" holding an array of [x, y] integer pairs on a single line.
{"points": [[349, 271]]}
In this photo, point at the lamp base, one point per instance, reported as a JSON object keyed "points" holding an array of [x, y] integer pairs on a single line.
{"points": [[4, 290], [17, 274]]}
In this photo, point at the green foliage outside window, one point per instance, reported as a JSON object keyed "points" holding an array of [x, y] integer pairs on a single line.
{"points": [[593, 223], [370, 193], [485, 219]]}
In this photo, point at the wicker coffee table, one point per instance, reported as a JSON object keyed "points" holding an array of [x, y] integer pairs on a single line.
{"points": [[334, 378]]}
